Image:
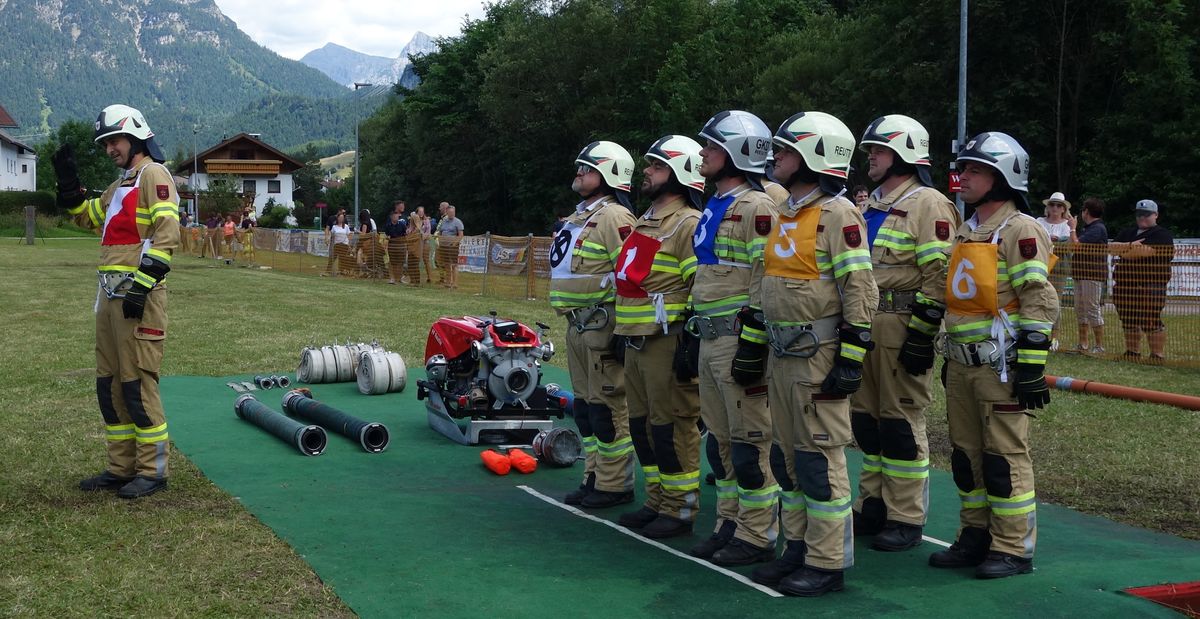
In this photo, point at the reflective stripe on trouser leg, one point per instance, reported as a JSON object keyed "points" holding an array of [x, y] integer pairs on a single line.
{"points": [[577, 366], [1013, 501], [718, 453], [758, 494], [639, 431], [118, 432], [905, 468], [785, 372], [966, 435], [821, 433], [674, 436], [609, 414]]}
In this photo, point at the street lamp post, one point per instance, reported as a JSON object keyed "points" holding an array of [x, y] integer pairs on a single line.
{"points": [[357, 121], [195, 174]]}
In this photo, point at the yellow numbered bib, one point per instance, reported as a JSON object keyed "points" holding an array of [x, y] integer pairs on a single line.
{"points": [[792, 250], [971, 283]]}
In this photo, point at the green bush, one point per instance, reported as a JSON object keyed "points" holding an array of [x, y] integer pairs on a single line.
{"points": [[16, 201]]}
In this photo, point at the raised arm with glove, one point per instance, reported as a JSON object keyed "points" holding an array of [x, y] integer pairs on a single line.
{"points": [[70, 192]]}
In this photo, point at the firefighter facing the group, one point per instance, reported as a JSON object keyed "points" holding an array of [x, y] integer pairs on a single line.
{"points": [[729, 241], [582, 290], [138, 216], [1000, 307], [817, 297], [908, 231], [653, 278]]}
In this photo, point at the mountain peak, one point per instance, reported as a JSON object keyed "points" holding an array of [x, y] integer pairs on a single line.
{"points": [[347, 66]]}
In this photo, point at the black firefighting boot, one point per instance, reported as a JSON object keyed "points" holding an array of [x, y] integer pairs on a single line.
{"points": [[738, 552], [1003, 565], [811, 582], [638, 519], [969, 550], [716, 541], [871, 520], [575, 497], [790, 561], [104, 481], [666, 526], [140, 487], [598, 499], [897, 536]]}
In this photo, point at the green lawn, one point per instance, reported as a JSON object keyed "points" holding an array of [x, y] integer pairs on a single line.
{"points": [[193, 550]]}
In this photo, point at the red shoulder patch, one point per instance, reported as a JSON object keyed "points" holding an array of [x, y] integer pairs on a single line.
{"points": [[164, 191], [1028, 248], [853, 235], [897, 212], [762, 224], [942, 229], [624, 231]]}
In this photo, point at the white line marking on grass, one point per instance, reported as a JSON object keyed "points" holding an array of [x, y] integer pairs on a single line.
{"points": [[934, 540], [716, 568]]}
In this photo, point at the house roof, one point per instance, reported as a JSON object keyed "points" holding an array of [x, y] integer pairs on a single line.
{"points": [[6, 121], [5, 137], [290, 164]]}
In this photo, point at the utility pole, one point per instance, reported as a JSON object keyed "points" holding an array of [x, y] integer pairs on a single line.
{"points": [[357, 121], [962, 94], [195, 174]]}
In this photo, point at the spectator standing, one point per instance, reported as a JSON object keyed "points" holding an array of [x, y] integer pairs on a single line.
{"points": [[228, 230], [1058, 224], [861, 195], [339, 242], [396, 230], [424, 235], [211, 234], [1140, 281], [450, 233], [370, 258], [329, 242], [1089, 270]]}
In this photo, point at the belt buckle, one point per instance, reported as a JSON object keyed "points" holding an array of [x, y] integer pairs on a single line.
{"points": [[705, 332], [640, 339]]}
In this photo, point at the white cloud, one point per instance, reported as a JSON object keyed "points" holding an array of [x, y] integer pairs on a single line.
{"points": [[292, 28]]}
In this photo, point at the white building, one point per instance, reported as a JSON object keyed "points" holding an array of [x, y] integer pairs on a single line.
{"points": [[18, 162], [261, 171]]}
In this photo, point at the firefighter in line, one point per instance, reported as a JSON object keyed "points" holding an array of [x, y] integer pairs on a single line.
{"points": [[729, 241], [582, 290], [909, 225], [817, 296], [138, 216], [1000, 307], [654, 278]]}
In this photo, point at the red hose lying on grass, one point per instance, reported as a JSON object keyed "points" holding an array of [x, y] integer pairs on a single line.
{"points": [[1067, 383]]}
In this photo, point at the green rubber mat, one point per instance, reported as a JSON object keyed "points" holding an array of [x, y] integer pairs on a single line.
{"points": [[423, 529]]}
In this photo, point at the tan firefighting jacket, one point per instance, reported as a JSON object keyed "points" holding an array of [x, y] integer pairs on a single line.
{"points": [[724, 288], [808, 278], [1023, 290], [669, 281], [592, 255], [147, 219], [913, 243]]}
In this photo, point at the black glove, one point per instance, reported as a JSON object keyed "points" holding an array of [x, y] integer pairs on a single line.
{"points": [[686, 362], [70, 193], [1029, 382], [916, 354], [134, 305], [846, 376], [616, 346], [750, 360]]}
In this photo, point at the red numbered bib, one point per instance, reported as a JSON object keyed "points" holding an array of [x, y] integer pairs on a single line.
{"points": [[634, 264]]}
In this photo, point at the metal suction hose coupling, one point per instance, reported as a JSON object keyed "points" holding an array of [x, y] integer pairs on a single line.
{"points": [[309, 440]]}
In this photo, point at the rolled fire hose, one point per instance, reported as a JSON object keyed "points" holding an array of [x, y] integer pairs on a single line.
{"points": [[331, 364], [1066, 383], [372, 436], [381, 372], [310, 440]]}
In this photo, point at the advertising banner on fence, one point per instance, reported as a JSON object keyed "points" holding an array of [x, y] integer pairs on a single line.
{"points": [[472, 254], [317, 245], [507, 255]]}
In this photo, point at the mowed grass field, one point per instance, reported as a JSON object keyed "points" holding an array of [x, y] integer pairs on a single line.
{"points": [[192, 550]]}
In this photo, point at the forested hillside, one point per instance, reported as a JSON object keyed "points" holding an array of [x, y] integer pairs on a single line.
{"points": [[1102, 93], [180, 61]]}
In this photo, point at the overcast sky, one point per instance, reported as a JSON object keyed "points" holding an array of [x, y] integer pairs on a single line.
{"points": [[292, 28]]}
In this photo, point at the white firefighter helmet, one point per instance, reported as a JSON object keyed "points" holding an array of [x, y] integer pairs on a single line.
{"points": [[613, 162], [905, 137], [824, 142], [1005, 155], [122, 119], [682, 155], [745, 138]]}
